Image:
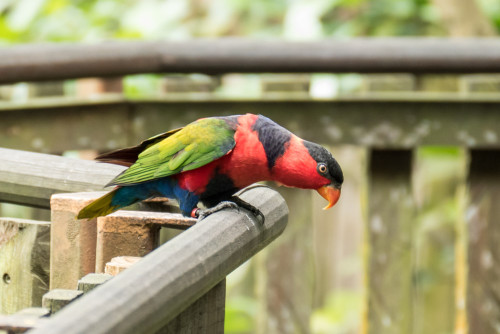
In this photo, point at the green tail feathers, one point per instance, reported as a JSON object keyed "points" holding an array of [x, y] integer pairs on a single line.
{"points": [[100, 207]]}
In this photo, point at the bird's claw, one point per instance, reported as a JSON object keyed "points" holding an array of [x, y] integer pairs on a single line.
{"points": [[235, 203], [201, 214]]}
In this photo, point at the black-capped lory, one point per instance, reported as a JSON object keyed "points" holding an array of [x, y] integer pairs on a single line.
{"points": [[211, 159]]}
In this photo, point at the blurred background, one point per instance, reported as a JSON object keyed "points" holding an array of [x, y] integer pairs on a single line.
{"points": [[319, 276]]}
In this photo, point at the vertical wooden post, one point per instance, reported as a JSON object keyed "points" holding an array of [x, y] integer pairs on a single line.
{"points": [[483, 305], [439, 180], [73, 241], [286, 271], [24, 264], [389, 238]]}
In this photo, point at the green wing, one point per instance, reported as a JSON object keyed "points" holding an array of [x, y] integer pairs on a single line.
{"points": [[195, 145]]}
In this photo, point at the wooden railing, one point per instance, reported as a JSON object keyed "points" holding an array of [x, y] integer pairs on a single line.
{"points": [[187, 272]]}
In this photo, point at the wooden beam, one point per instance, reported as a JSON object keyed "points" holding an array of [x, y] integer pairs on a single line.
{"points": [[24, 263], [168, 280], [380, 122], [29, 178], [417, 55]]}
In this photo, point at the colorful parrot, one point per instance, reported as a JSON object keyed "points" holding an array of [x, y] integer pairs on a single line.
{"points": [[212, 158]]}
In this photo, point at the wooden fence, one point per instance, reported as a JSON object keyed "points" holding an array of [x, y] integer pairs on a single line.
{"points": [[418, 279], [186, 273]]}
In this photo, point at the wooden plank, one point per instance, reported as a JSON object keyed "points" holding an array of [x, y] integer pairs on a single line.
{"points": [[31, 178], [56, 128], [383, 121], [390, 245], [24, 265], [431, 55], [372, 123], [483, 308], [73, 241], [168, 280]]}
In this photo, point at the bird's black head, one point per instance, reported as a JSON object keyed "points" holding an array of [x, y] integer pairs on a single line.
{"points": [[333, 172], [329, 168]]}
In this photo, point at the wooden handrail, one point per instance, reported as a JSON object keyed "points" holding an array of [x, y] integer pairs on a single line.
{"points": [[29, 178], [145, 297], [415, 55]]}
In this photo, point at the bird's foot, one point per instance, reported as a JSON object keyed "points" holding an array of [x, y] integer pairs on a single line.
{"points": [[201, 214], [235, 203], [256, 212]]}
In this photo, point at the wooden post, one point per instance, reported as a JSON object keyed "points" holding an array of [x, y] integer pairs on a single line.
{"points": [[24, 263], [56, 299], [132, 233], [73, 241], [483, 212], [439, 180], [389, 237]]}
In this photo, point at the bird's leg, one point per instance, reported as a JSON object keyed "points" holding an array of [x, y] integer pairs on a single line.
{"points": [[204, 213], [235, 203], [256, 212]]}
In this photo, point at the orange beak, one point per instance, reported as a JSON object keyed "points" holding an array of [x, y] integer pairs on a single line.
{"points": [[331, 194]]}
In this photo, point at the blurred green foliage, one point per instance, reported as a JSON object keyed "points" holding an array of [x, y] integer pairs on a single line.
{"points": [[92, 20]]}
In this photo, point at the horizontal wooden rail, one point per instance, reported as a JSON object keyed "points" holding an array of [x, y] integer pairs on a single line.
{"points": [[145, 297], [31, 178], [416, 55]]}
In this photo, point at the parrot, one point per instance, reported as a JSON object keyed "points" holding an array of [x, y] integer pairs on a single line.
{"points": [[212, 158]]}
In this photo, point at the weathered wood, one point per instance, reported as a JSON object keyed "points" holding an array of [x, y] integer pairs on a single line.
{"points": [[120, 263], [117, 236], [56, 299], [132, 233], [73, 241], [66, 61], [24, 263], [439, 180], [90, 281], [168, 280], [401, 121], [31, 178], [483, 307], [205, 315], [389, 256]]}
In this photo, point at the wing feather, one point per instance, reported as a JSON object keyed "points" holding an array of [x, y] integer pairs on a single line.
{"points": [[191, 147]]}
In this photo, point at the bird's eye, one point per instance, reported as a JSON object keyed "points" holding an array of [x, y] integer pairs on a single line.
{"points": [[322, 168]]}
